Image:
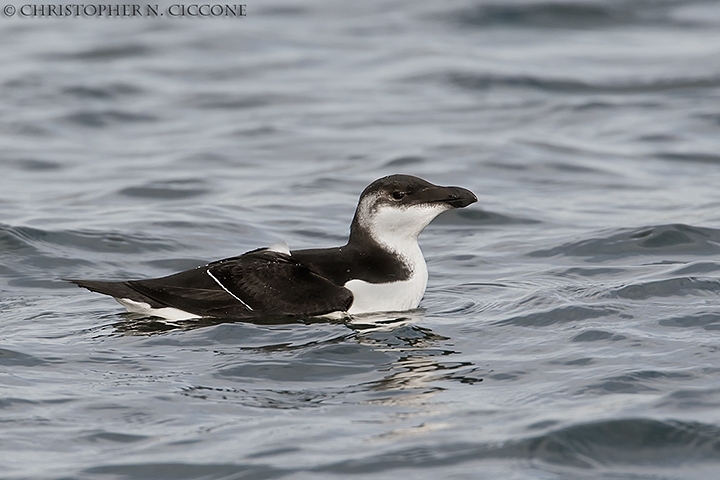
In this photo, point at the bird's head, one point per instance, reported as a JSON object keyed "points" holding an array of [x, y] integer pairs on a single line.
{"points": [[396, 208]]}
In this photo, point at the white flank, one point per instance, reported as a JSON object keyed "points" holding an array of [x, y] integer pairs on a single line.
{"points": [[168, 313], [386, 297]]}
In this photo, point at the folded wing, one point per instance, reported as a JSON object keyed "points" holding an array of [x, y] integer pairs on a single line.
{"points": [[258, 283]]}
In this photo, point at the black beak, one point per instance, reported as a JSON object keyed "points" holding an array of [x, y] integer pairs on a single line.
{"points": [[456, 197], [459, 197]]}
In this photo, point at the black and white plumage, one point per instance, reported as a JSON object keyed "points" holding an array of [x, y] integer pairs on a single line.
{"points": [[381, 268]]}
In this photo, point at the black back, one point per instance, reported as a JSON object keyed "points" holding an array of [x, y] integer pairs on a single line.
{"points": [[258, 283]]}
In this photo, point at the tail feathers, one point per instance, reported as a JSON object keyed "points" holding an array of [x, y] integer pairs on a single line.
{"points": [[116, 289]]}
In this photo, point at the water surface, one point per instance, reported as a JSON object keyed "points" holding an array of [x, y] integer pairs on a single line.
{"points": [[570, 327]]}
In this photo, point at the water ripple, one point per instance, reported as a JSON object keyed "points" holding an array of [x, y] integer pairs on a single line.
{"points": [[30, 240], [105, 118], [594, 445], [565, 314], [180, 471], [668, 287], [106, 53], [707, 321], [11, 358], [634, 382], [483, 81], [561, 14], [675, 239], [168, 189]]}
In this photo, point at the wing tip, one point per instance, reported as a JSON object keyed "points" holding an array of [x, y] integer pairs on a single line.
{"points": [[80, 283]]}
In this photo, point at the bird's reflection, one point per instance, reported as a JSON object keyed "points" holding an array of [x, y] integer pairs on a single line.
{"points": [[420, 359], [138, 324], [423, 358]]}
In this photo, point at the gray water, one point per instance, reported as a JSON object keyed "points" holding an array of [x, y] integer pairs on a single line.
{"points": [[571, 326]]}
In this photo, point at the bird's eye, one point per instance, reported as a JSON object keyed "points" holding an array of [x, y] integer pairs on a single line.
{"points": [[398, 195]]}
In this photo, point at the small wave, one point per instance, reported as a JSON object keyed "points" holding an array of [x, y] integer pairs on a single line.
{"points": [[595, 445], [635, 382], [103, 118], [691, 157], [34, 165], [454, 306], [667, 288], [168, 189], [567, 314], [405, 161], [183, 471], [14, 240], [18, 240], [597, 335], [654, 240], [707, 321], [104, 437], [480, 217], [108, 52], [485, 81], [226, 102], [104, 92], [633, 441], [36, 258], [695, 268], [547, 15], [586, 272], [691, 399], [12, 358]]}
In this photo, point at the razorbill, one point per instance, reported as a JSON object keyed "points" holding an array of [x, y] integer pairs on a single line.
{"points": [[380, 269]]}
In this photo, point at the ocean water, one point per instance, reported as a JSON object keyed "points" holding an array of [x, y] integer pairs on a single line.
{"points": [[571, 326]]}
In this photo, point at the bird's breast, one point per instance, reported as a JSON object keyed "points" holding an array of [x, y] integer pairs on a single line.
{"points": [[388, 297]]}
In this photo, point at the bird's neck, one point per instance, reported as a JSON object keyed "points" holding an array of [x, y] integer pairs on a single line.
{"points": [[403, 245]]}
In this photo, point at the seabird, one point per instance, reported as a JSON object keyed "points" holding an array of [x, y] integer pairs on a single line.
{"points": [[380, 269]]}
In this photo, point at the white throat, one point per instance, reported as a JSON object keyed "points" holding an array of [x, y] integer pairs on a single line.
{"points": [[396, 230]]}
